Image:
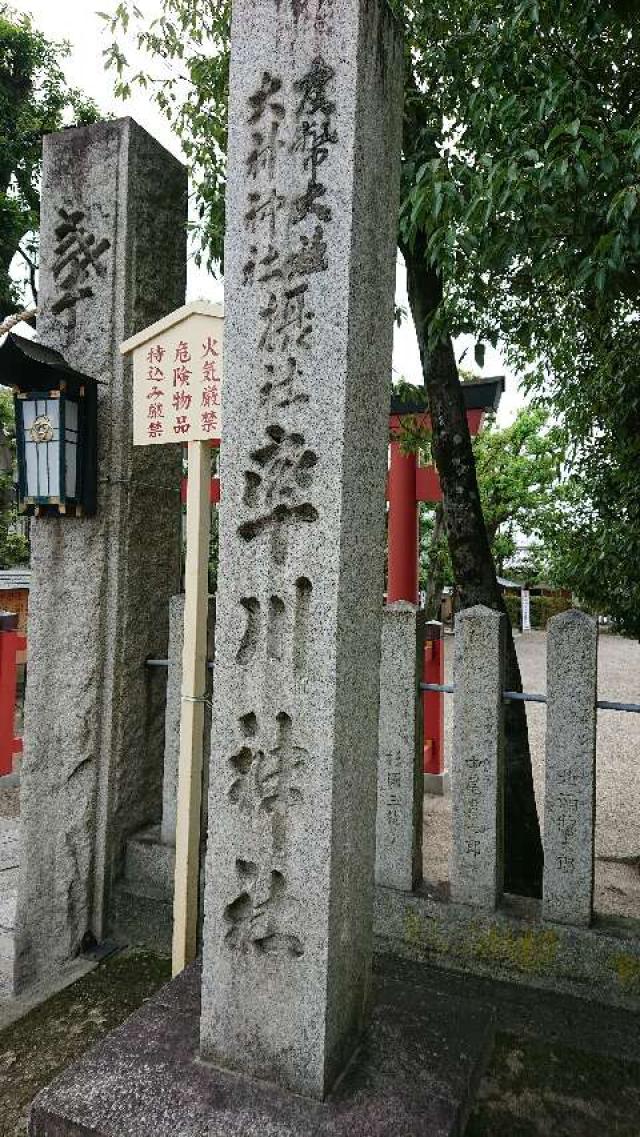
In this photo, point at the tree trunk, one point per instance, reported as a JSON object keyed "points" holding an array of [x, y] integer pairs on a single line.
{"points": [[472, 561]]}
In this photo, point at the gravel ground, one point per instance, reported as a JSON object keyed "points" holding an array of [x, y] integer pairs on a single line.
{"points": [[618, 771], [10, 802]]}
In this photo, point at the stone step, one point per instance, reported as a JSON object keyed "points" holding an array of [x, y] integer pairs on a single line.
{"points": [[142, 906], [8, 905], [142, 909], [142, 914], [148, 863]]}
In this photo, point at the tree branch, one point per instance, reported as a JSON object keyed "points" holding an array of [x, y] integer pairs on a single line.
{"points": [[33, 268]]}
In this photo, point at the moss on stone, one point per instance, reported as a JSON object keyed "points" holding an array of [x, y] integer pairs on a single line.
{"points": [[413, 932], [627, 969], [531, 952], [424, 935]]}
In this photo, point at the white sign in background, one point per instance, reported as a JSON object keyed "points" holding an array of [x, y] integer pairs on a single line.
{"points": [[525, 597], [177, 378]]}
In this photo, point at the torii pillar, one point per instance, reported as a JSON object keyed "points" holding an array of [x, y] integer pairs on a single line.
{"points": [[409, 483]]}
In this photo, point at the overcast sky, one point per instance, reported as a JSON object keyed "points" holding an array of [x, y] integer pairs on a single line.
{"points": [[77, 21]]}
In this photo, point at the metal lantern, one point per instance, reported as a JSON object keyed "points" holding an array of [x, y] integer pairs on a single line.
{"points": [[55, 430]]}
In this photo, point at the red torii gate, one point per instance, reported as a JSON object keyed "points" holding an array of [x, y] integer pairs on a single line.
{"points": [[409, 484]]}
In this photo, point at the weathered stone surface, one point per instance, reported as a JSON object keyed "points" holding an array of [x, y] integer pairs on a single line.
{"points": [[512, 944], [400, 756], [113, 259], [9, 864], [570, 770], [315, 125], [477, 866], [172, 715], [414, 1074]]}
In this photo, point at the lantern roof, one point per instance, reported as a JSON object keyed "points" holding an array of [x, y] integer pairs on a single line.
{"points": [[31, 366], [196, 308]]}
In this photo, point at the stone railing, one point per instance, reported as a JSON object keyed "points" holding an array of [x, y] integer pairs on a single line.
{"points": [[476, 927], [472, 925], [477, 765]]}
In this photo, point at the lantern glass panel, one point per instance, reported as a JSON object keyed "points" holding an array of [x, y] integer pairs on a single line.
{"points": [[71, 448], [41, 421]]}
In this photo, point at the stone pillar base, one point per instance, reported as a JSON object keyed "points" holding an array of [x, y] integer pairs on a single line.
{"points": [[437, 785], [414, 1073]]}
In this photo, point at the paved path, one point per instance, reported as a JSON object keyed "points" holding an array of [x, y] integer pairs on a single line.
{"points": [[618, 770]]}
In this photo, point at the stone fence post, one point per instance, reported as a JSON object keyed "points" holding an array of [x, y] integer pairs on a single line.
{"points": [[477, 858], [569, 810], [400, 751], [172, 717]]}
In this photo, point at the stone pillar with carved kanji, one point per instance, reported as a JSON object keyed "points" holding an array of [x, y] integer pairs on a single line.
{"points": [[113, 260], [314, 145]]}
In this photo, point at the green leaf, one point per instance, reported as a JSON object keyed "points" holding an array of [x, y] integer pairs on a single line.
{"points": [[630, 202]]}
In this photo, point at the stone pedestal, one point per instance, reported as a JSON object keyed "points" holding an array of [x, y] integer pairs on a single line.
{"points": [[314, 143], [400, 757], [570, 770], [113, 259], [415, 1074]]}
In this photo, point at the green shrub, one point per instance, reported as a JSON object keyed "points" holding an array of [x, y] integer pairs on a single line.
{"points": [[543, 608], [512, 603]]}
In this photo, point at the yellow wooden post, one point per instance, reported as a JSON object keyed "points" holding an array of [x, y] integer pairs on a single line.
{"points": [[177, 374], [194, 686]]}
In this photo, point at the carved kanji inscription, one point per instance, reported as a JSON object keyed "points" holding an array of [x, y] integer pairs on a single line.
{"points": [[77, 259], [257, 918]]}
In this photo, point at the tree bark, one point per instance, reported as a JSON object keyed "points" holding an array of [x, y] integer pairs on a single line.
{"points": [[472, 561]]}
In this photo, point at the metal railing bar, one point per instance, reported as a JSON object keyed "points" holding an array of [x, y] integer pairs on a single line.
{"points": [[535, 697], [524, 697], [607, 705]]}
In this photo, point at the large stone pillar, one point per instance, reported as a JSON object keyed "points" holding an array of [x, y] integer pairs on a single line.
{"points": [[113, 260], [315, 127]]}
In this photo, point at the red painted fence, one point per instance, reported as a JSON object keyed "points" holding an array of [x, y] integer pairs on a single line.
{"points": [[11, 645], [433, 701]]}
